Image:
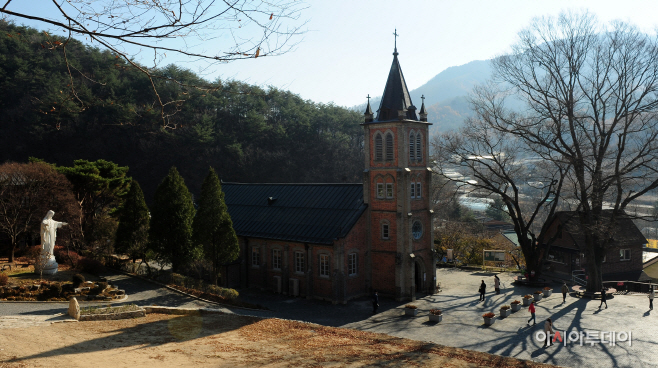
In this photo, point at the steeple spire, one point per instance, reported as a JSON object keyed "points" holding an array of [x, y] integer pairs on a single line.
{"points": [[423, 112], [396, 101], [368, 114]]}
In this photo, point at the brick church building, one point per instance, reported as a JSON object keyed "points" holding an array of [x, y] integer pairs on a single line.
{"points": [[341, 241]]}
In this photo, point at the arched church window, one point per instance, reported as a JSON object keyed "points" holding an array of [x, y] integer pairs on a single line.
{"points": [[417, 230], [419, 153], [379, 155], [412, 150], [389, 147]]}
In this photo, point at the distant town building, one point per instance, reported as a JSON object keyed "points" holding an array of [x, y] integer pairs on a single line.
{"points": [[341, 241]]}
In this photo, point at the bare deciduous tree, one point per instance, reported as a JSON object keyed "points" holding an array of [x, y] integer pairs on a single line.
{"points": [[190, 29], [590, 99], [27, 192], [496, 164]]}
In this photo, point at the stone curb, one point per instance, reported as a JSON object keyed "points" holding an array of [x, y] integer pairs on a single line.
{"points": [[113, 316], [182, 292]]}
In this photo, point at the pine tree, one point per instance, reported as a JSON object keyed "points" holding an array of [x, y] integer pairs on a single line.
{"points": [[132, 233], [213, 228], [496, 210], [170, 233]]}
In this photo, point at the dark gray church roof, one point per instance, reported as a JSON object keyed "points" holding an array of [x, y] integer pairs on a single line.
{"points": [[307, 213], [396, 95]]}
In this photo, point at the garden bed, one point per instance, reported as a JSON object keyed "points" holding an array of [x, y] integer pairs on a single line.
{"points": [[24, 285]]}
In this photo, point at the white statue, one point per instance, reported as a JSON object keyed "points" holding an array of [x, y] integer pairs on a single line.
{"points": [[48, 235]]}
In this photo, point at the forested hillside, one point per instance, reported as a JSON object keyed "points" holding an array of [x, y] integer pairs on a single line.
{"points": [[246, 133]]}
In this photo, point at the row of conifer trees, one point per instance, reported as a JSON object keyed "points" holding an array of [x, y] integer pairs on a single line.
{"points": [[174, 231]]}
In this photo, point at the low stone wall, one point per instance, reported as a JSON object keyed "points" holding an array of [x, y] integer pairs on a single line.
{"points": [[142, 312], [110, 316], [181, 311]]}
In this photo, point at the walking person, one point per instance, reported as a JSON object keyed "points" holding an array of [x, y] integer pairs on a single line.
{"points": [[482, 290], [497, 284], [548, 329], [652, 294], [603, 298], [531, 309], [565, 290], [375, 303]]}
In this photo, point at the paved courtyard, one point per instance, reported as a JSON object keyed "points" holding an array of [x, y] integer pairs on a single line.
{"points": [[463, 327]]}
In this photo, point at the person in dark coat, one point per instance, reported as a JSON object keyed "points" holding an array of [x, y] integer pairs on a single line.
{"points": [[483, 289], [565, 290], [652, 294], [375, 303], [603, 297]]}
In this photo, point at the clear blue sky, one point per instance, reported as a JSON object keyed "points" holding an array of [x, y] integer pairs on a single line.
{"points": [[346, 53]]}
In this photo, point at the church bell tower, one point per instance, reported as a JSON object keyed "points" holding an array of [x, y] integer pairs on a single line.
{"points": [[396, 187]]}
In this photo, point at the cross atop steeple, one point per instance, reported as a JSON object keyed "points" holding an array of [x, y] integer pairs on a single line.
{"points": [[395, 33]]}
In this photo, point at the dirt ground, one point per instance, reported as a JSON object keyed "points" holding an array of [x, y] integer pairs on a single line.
{"points": [[224, 341]]}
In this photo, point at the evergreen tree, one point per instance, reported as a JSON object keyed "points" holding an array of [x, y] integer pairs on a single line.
{"points": [[132, 233], [213, 228], [496, 210], [170, 233]]}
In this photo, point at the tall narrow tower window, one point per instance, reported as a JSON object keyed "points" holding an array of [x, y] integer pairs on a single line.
{"points": [[419, 153], [389, 147], [379, 154], [412, 150]]}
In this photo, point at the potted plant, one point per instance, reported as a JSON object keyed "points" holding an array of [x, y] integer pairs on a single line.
{"points": [[410, 310], [527, 299], [538, 295], [516, 306], [489, 318], [505, 311], [547, 291], [436, 315]]}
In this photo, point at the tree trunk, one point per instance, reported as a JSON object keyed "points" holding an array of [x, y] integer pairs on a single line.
{"points": [[594, 275]]}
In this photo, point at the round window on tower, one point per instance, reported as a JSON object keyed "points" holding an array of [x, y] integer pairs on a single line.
{"points": [[417, 230]]}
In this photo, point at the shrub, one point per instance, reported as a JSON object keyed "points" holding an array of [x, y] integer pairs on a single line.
{"points": [[516, 302], [547, 288], [436, 312], [505, 307], [528, 296], [55, 290], [213, 289], [91, 266], [33, 253], [489, 315], [410, 306], [230, 293], [177, 279], [538, 292], [78, 280], [4, 279], [62, 256], [102, 285]]}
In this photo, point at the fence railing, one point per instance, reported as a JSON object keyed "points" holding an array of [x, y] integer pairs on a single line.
{"points": [[578, 278], [632, 286]]}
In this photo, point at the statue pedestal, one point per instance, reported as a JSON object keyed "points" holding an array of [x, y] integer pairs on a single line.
{"points": [[50, 266]]}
